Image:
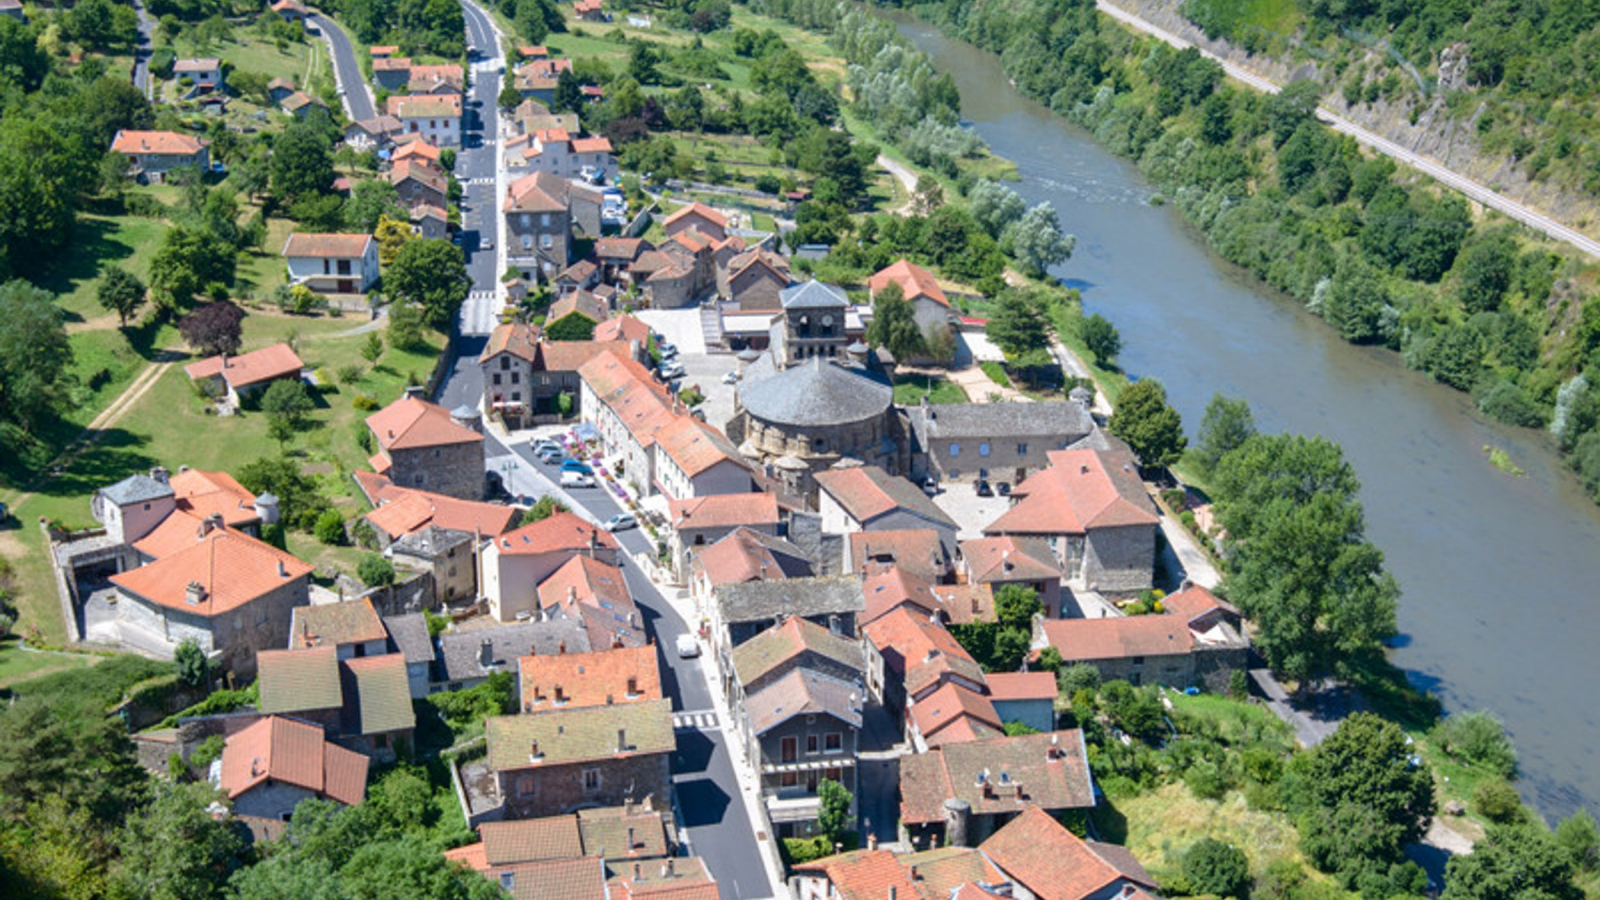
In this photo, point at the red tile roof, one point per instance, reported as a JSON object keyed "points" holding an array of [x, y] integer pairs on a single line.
{"points": [[745, 555], [580, 303], [723, 511], [421, 171], [401, 510], [699, 209], [292, 752], [1046, 858], [893, 588], [866, 875], [1007, 559], [965, 603], [599, 678], [425, 106], [1194, 602], [519, 339], [562, 532], [538, 192], [202, 494], [226, 568], [1082, 489], [920, 651], [412, 422], [919, 551], [1022, 686], [591, 145], [622, 328], [419, 149], [584, 579], [867, 492], [1121, 637], [162, 143], [958, 706], [914, 281], [531, 840], [318, 246], [255, 367], [694, 446]]}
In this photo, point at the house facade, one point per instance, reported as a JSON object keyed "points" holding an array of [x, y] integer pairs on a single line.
{"points": [[153, 154], [421, 445], [437, 117], [332, 263], [1000, 442], [562, 760]]}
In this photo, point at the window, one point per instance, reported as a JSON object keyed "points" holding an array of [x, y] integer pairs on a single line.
{"points": [[983, 449], [505, 363], [811, 743], [955, 449], [788, 779], [516, 396], [527, 219], [789, 749], [545, 242], [1138, 660], [497, 378], [527, 786], [527, 242], [147, 507], [544, 220], [833, 742], [516, 377], [1022, 449], [508, 880], [360, 650], [591, 780]]}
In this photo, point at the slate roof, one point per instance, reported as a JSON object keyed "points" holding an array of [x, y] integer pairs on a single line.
{"points": [[331, 624], [430, 541], [378, 694], [291, 681], [140, 488], [804, 692], [409, 633], [813, 295], [795, 638], [867, 492], [580, 735], [1053, 776], [1062, 420], [461, 653], [753, 601], [817, 392]]}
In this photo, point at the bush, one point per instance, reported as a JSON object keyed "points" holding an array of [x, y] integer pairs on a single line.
{"points": [[1506, 402], [1079, 677], [375, 571], [1578, 835], [349, 374], [1478, 739], [330, 527], [364, 403], [208, 752], [194, 669], [768, 184], [1212, 867], [1497, 801], [1206, 781]]}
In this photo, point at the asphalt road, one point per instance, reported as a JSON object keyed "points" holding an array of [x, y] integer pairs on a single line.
{"points": [[1472, 189], [476, 170], [346, 68], [141, 48]]}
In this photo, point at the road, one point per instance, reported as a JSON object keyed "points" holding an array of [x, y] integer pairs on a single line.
{"points": [[1433, 169], [481, 175], [715, 823], [353, 89], [141, 48]]}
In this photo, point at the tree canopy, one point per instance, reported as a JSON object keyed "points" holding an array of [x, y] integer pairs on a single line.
{"points": [[894, 324], [35, 356], [1152, 428], [431, 273]]}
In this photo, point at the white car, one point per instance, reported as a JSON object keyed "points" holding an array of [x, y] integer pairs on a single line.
{"points": [[688, 647], [487, 243], [545, 444], [731, 378], [576, 480], [621, 522]]}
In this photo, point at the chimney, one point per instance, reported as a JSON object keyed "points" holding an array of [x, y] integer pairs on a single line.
{"points": [[561, 648], [533, 751], [670, 868], [1005, 560], [572, 593], [1053, 752], [872, 841], [638, 871], [1083, 470], [893, 894], [255, 767], [486, 653], [633, 691], [1019, 791], [194, 593], [159, 473], [631, 843], [622, 740], [763, 570], [414, 391], [561, 696], [977, 607], [932, 653]]}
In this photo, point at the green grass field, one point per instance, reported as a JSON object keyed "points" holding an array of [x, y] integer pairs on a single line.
{"points": [[910, 388], [100, 240], [17, 665]]}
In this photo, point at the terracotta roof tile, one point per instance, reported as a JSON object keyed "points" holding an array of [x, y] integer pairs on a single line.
{"points": [[589, 679], [622, 328], [411, 422], [277, 361], [919, 551], [163, 143], [935, 714], [531, 840], [520, 339], [724, 511], [605, 832], [469, 855], [418, 149], [696, 447], [945, 869], [562, 532], [867, 492], [581, 303], [1050, 775], [556, 879], [921, 652], [229, 569], [804, 692], [202, 494], [295, 753], [867, 875], [1121, 637], [1022, 686], [400, 510], [914, 281], [894, 588], [1010, 558], [1052, 862], [746, 554], [331, 624], [965, 603], [697, 209], [424, 106], [1081, 489], [318, 246]]}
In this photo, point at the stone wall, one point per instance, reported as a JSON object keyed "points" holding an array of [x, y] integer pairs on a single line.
{"points": [[455, 470], [1120, 561], [270, 800], [550, 790]]}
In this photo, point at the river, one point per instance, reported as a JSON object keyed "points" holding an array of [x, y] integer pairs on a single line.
{"points": [[1497, 571]]}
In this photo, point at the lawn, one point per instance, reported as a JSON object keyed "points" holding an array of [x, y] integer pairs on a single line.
{"points": [[99, 241], [1162, 824], [17, 665], [910, 388]]}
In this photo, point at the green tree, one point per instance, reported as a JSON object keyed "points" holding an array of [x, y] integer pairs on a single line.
{"points": [[1478, 739], [287, 403], [175, 849], [1102, 339], [569, 93], [571, 327], [1015, 605], [370, 199], [1017, 324], [1301, 567], [302, 161], [1578, 835], [35, 355], [121, 292], [1486, 268], [1037, 240], [39, 182], [1357, 796], [431, 273], [1151, 427], [1226, 425], [329, 527], [894, 324], [392, 234], [1213, 867], [300, 501], [375, 571], [189, 261], [405, 325], [542, 509], [372, 348], [833, 809], [995, 206], [1512, 862], [194, 669], [1355, 300]]}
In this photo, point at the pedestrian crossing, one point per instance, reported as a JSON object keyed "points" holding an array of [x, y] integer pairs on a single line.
{"points": [[698, 720], [484, 179], [481, 295]]}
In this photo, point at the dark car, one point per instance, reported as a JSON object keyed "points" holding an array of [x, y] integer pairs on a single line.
{"points": [[984, 490], [1003, 488]]}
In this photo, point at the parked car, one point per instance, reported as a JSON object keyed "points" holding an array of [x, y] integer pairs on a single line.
{"points": [[577, 465], [930, 486], [571, 479], [621, 522], [486, 243], [551, 457], [667, 348], [672, 369], [688, 647], [731, 378], [543, 444], [984, 490], [1003, 488]]}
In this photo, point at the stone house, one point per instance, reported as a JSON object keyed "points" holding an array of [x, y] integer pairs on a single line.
{"points": [[754, 279], [1002, 442], [279, 89], [239, 378], [1197, 642], [524, 376], [595, 594], [698, 217], [580, 278], [391, 73], [562, 760], [802, 728], [375, 133], [409, 637], [437, 117], [1045, 861], [515, 563], [536, 79], [614, 255], [448, 556], [866, 498], [542, 213], [1093, 510], [351, 627], [364, 702], [929, 305], [301, 104], [420, 445], [332, 263], [231, 593], [430, 221], [442, 79], [399, 511], [814, 323], [960, 873], [998, 561], [743, 610], [918, 656], [467, 658], [158, 513], [152, 154], [589, 310], [991, 782], [419, 183], [271, 765], [697, 522], [744, 555]]}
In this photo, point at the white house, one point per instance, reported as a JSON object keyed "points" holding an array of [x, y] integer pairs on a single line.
{"points": [[436, 117], [332, 263], [205, 73], [554, 150]]}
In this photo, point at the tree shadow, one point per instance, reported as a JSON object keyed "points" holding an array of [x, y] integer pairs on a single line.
{"points": [[92, 250], [116, 454]]}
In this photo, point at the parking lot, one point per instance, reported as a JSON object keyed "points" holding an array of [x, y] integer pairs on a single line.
{"points": [[680, 326]]}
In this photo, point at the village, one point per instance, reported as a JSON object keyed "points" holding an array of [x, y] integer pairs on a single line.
{"points": [[667, 557]]}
